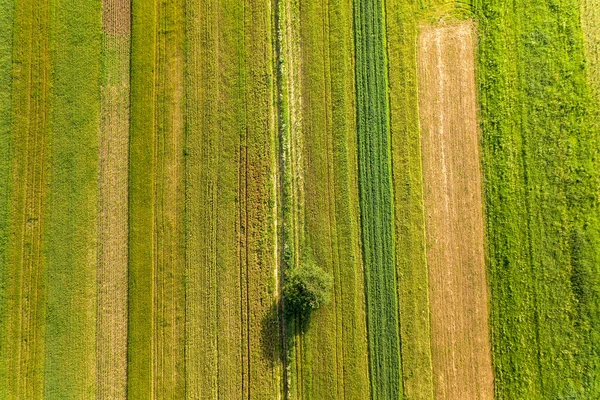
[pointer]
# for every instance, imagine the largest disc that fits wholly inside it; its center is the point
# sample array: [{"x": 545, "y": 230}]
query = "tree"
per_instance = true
[{"x": 307, "y": 287}]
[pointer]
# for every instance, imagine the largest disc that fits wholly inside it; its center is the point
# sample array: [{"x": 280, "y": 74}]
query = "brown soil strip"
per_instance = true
[
  {"x": 461, "y": 347},
  {"x": 113, "y": 164}
]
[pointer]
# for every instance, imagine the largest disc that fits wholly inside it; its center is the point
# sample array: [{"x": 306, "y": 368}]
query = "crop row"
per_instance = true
[
  {"x": 232, "y": 330},
  {"x": 376, "y": 200}
]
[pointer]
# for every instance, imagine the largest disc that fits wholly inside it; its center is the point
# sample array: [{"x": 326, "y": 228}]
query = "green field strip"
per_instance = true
[
  {"x": 402, "y": 19},
  {"x": 216, "y": 361},
  {"x": 350, "y": 293},
  {"x": 70, "y": 235},
  {"x": 319, "y": 356},
  {"x": 320, "y": 214},
  {"x": 259, "y": 216},
  {"x": 376, "y": 200},
  {"x": 156, "y": 252},
  {"x": 290, "y": 172},
  {"x": 590, "y": 21},
  {"x": 113, "y": 168},
  {"x": 141, "y": 202},
  {"x": 230, "y": 198},
  {"x": 541, "y": 177},
  {"x": 23, "y": 365},
  {"x": 6, "y": 117},
  {"x": 201, "y": 356}
]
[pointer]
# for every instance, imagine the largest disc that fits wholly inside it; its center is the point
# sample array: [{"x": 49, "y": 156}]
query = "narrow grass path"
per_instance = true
[{"x": 590, "y": 21}]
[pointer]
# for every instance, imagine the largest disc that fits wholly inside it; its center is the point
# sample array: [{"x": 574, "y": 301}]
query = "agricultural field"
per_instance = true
[
  {"x": 454, "y": 213},
  {"x": 169, "y": 168}
]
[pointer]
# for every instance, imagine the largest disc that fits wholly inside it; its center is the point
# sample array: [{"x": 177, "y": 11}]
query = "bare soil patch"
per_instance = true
[
  {"x": 113, "y": 193},
  {"x": 116, "y": 17},
  {"x": 461, "y": 347}
]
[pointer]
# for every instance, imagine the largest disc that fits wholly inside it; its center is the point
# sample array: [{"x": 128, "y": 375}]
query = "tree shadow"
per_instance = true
[{"x": 279, "y": 330}]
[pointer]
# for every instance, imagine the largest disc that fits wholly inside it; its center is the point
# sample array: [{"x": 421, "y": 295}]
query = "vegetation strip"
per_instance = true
[
  {"x": 156, "y": 253},
  {"x": 113, "y": 167},
  {"x": 590, "y": 21},
  {"x": 539, "y": 131},
  {"x": 321, "y": 196},
  {"x": 70, "y": 235},
  {"x": 7, "y": 14},
  {"x": 402, "y": 22},
  {"x": 376, "y": 200},
  {"x": 453, "y": 202},
  {"x": 230, "y": 199},
  {"x": 216, "y": 331},
  {"x": 23, "y": 366}
]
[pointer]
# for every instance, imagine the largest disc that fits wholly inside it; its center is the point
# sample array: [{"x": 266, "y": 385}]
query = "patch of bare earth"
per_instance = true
[
  {"x": 460, "y": 345},
  {"x": 113, "y": 162}
]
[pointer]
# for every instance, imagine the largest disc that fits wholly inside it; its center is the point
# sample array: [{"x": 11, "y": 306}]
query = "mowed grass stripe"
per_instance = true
[
  {"x": 25, "y": 275},
  {"x": 402, "y": 21},
  {"x": 71, "y": 234},
  {"x": 540, "y": 127},
  {"x": 376, "y": 201},
  {"x": 216, "y": 361},
  {"x": 113, "y": 167},
  {"x": 6, "y": 117},
  {"x": 156, "y": 253}
]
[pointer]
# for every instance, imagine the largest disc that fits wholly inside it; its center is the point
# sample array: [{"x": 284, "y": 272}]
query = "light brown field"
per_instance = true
[
  {"x": 461, "y": 347},
  {"x": 113, "y": 170}
]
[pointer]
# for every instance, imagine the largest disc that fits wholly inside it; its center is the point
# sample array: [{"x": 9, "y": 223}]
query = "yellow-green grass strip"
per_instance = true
[
  {"x": 142, "y": 289},
  {"x": 216, "y": 349},
  {"x": 323, "y": 209},
  {"x": 402, "y": 19},
  {"x": 23, "y": 365},
  {"x": 113, "y": 166},
  {"x": 376, "y": 200},
  {"x": 156, "y": 252},
  {"x": 258, "y": 221},
  {"x": 6, "y": 117},
  {"x": 590, "y": 20},
  {"x": 290, "y": 176},
  {"x": 70, "y": 234}
]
